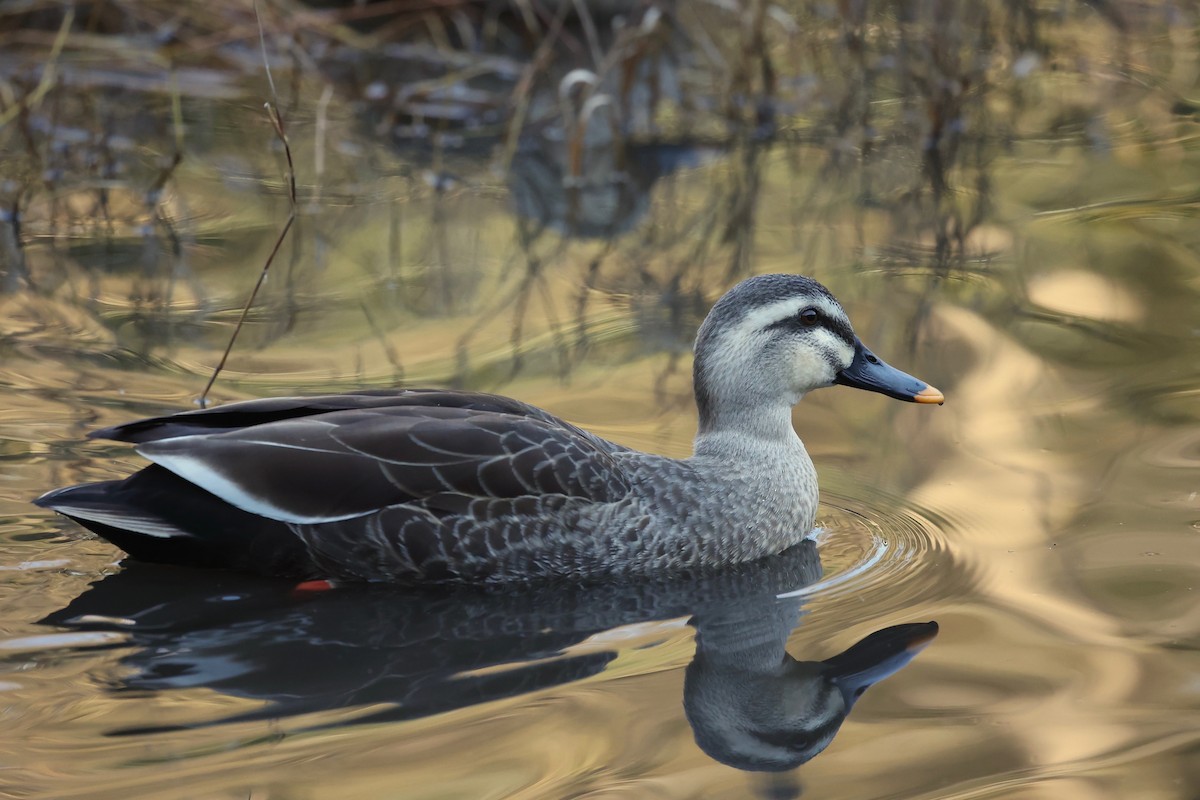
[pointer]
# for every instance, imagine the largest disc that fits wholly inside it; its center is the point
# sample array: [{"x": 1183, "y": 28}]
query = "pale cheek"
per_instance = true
[{"x": 810, "y": 371}]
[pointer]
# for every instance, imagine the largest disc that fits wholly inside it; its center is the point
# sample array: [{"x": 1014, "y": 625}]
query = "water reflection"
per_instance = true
[
  {"x": 1008, "y": 187},
  {"x": 580, "y": 109},
  {"x": 396, "y": 654},
  {"x": 755, "y": 707},
  {"x": 610, "y": 192}
]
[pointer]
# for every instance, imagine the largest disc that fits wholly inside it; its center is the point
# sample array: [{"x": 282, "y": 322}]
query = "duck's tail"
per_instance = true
[{"x": 154, "y": 515}]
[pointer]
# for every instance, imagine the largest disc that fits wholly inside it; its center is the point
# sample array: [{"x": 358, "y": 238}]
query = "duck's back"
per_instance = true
[{"x": 416, "y": 485}]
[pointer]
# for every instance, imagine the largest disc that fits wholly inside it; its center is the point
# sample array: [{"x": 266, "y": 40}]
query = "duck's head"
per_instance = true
[{"x": 772, "y": 339}]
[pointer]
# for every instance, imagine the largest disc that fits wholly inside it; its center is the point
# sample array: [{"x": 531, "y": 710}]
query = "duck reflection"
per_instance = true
[
  {"x": 754, "y": 707},
  {"x": 408, "y": 653}
]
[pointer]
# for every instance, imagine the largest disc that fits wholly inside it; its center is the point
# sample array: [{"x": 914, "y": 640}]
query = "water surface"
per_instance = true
[{"x": 1002, "y": 196}]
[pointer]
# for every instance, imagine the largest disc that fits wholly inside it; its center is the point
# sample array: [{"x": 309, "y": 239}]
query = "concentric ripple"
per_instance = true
[{"x": 884, "y": 542}]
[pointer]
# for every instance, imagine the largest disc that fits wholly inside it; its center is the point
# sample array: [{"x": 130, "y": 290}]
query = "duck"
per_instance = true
[{"x": 417, "y": 486}]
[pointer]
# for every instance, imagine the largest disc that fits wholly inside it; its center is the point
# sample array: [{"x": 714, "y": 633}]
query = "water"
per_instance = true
[{"x": 1002, "y": 197}]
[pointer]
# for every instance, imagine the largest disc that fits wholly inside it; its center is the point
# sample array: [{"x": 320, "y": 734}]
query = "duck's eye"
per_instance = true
[{"x": 809, "y": 317}]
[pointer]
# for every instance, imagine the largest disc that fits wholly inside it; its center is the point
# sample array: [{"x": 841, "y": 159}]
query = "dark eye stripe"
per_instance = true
[
  {"x": 842, "y": 329},
  {"x": 839, "y": 327}
]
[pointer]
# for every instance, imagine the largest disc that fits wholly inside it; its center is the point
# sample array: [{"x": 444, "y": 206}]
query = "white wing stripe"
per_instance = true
[{"x": 195, "y": 471}]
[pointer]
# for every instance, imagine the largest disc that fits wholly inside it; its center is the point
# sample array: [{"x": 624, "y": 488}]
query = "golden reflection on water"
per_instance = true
[{"x": 1046, "y": 516}]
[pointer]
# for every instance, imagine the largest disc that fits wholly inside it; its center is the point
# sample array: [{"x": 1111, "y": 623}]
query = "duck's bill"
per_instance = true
[
  {"x": 868, "y": 371},
  {"x": 879, "y": 655}
]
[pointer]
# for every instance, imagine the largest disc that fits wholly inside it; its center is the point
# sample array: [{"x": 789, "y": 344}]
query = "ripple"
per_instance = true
[
  {"x": 1174, "y": 450},
  {"x": 884, "y": 543}
]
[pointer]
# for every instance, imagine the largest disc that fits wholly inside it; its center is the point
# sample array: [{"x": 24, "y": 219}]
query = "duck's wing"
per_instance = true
[
  {"x": 251, "y": 413},
  {"x": 337, "y": 465}
]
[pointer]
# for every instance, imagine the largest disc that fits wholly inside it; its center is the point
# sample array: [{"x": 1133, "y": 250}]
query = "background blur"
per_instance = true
[{"x": 542, "y": 198}]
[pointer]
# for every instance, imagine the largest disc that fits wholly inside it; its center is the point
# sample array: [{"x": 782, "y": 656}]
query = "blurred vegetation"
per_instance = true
[{"x": 125, "y": 125}]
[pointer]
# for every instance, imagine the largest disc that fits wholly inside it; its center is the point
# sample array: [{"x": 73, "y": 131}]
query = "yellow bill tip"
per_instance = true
[{"x": 929, "y": 395}]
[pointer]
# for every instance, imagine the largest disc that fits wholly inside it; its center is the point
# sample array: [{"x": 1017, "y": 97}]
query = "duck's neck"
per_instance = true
[
  {"x": 725, "y": 430},
  {"x": 735, "y": 405}
]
